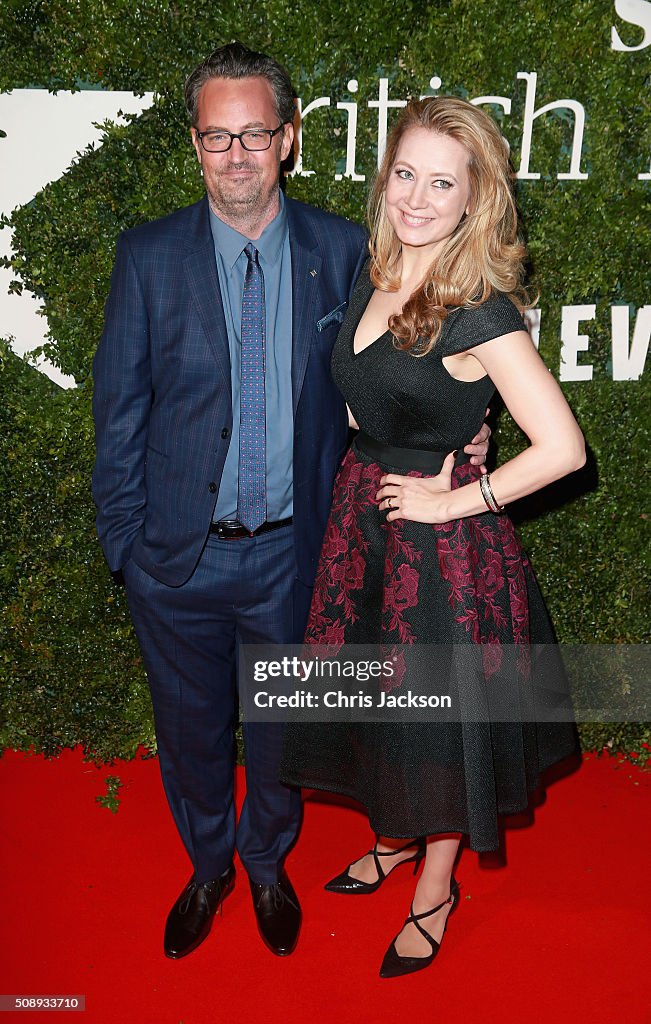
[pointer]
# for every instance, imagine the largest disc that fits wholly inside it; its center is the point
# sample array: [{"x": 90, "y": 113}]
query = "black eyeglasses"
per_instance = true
[{"x": 253, "y": 139}]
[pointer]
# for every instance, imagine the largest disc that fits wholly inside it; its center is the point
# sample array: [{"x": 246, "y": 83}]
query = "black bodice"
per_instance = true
[{"x": 413, "y": 402}]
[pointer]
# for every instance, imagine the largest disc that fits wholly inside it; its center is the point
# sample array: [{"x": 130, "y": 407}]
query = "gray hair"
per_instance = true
[{"x": 236, "y": 61}]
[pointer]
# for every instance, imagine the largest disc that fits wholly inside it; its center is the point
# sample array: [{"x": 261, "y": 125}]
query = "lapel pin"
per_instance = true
[{"x": 313, "y": 273}]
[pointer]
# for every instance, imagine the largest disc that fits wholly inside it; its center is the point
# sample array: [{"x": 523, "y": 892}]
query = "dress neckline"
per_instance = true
[
  {"x": 363, "y": 307},
  {"x": 371, "y": 344}
]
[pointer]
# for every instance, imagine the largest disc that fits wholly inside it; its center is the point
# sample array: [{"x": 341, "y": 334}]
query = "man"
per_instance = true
[{"x": 219, "y": 431}]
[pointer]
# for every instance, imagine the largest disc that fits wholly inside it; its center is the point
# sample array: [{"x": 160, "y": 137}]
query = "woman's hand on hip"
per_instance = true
[{"x": 420, "y": 499}]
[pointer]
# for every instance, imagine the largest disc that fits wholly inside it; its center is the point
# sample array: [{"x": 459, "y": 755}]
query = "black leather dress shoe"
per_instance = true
[
  {"x": 278, "y": 914},
  {"x": 190, "y": 919}
]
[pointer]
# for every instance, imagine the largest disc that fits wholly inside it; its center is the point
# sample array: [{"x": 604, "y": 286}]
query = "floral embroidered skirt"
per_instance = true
[{"x": 463, "y": 582}]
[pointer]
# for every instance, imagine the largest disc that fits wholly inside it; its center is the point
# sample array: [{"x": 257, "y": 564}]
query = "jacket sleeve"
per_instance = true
[{"x": 121, "y": 406}]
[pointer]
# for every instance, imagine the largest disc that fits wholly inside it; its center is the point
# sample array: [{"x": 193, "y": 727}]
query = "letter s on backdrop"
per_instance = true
[{"x": 635, "y": 12}]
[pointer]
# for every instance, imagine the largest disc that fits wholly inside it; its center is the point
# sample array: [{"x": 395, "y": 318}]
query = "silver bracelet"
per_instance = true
[{"x": 487, "y": 494}]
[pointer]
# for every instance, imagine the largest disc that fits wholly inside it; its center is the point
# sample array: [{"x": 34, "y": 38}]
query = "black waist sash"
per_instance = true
[{"x": 405, "y": 458}]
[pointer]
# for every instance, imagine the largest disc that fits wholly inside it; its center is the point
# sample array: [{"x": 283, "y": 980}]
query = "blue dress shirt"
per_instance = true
[{"x": 275, "y": 260}]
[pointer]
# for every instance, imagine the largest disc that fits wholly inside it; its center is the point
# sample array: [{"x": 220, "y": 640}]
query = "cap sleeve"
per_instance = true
[{"x": 466, "y": 328}]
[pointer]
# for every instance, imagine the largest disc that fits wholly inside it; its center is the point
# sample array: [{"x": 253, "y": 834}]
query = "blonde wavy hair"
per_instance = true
[{"x": 485, "y": 253}]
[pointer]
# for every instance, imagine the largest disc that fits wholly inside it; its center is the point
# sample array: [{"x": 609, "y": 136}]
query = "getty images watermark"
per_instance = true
[
  {"x": 349, "y": 671},
  {"x": 445, "y": 682}
]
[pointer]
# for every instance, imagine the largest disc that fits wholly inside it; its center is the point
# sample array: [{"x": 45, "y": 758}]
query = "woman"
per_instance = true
[{"x": 417, "y": 548}]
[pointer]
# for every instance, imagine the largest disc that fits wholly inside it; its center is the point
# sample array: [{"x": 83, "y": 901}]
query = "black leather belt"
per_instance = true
[
  {"x": 230, "y": 529},
  {"x": 405, "y": 458}
]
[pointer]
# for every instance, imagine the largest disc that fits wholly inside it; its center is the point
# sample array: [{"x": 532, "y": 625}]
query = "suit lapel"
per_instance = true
[
  {"x": 200, "y": 270},
  {"x": 306, "y": 276}
]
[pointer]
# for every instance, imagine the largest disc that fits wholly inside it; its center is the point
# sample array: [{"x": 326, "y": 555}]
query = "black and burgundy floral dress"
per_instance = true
[{"x": 463, "y": 582}]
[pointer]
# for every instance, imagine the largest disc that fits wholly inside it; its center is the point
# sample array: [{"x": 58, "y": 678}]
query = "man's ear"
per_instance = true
[
  {"x": 288, "y": 142},
  {"x": 196, "y": 143}
]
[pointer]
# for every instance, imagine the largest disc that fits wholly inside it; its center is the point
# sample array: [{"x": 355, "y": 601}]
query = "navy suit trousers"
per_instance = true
[{"x": 243, "y": 591}]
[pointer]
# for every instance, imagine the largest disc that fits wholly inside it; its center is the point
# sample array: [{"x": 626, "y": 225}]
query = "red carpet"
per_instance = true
[{"x": 560, "y": 934}]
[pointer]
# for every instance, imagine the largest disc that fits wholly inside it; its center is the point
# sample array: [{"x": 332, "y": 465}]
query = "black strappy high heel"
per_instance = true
[
  {"x": 345, "y": 883},
  {"x": 394, "y": 965}
]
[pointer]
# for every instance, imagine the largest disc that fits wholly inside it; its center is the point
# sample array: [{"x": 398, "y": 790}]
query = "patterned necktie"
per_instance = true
[{"x": 252, "y": 501}]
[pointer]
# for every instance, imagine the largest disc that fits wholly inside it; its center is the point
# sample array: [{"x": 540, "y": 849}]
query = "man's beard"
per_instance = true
[{"x": 236, "y": 199}]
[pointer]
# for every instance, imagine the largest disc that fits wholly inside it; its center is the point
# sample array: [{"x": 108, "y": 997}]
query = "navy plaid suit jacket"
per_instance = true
[{"x": 162, "y": 395}]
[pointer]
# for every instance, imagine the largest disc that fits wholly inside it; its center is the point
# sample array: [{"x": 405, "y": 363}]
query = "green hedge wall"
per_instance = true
[{"x": 69, "y": 660}]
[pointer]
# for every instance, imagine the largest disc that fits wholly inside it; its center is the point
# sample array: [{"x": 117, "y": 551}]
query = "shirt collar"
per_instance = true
[{"x": 229, "y": 243}]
